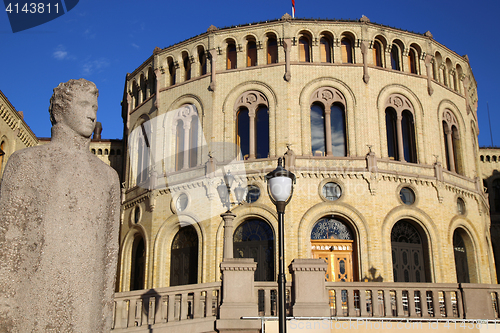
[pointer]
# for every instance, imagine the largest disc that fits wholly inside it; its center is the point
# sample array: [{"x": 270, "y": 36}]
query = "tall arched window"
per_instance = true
[
  {"x": 262, "y": 128},
  {"x": 304, "y": 49},
  {"x": 142, "y": 153},
  {"x": 408, "y": 129},
  {"x": 184, "y": 257},
  {"x": 461, "y": 266},
  {"x": 142, "y": 89},
  {"x": 179, "y": 145},
  {"x": 243, "y": 133},
  {"x": 325, "y": 50},
  {"x": 2, "y": 154},
  {"x": 451, "y": 142},
  {"x": 251, "y": 53},
  {"x": 252, "y": 120},
  {"x": 171, "y": 71},
  {"x": 395, "y": 62},
  {"x": 231, "y": 56},
  {"x": 410, "y": 261},
  {"x": 400, "y": 129},
  {"x": 412, "y": 61},
  {"x": 272, "y": 50},
  {"x": 377, "y": 54},
  {"x": 392, "y": 136},
  {"x": 496, "y": 197},
  {"x": 187, "y": 66},
  {"x": 328, "y": 123},
  {"x": 334, "y": 241},
  {"x": 202, "y": 60},
  {"x": 138, "y": 264},
  {"x": 346, "y": 51},
  {"x": 151, "y": 82},
  {"x": 255, "y": 239},
  {"x": 318, "y": 136}
]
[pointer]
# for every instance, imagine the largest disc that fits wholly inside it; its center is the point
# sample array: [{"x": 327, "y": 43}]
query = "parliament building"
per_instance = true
[{"x": 379, "y": 126}]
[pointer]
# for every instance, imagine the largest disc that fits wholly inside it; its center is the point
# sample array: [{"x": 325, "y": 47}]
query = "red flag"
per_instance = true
[{"x": 293, "y": 8}]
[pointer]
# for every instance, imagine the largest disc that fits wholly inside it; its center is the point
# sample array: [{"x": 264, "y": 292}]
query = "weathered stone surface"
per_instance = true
[{"x": 59, "y": 226}]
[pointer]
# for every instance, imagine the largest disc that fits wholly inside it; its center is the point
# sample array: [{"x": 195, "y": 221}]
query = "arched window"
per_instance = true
[
  {"x": 106, "y": 152},
  {"x": 496, "y": 195},
  {"x": 151, "y": 82},
  {"x": 142, "y": 153},
  {"x": 328, "y": 123},
  {"x": 318, "y": 136},
  {"x": 304, "y": 49},
  {"x": 2, "y": 154},
  {"x": 179, "y": 145},
  {"x": 408, "y": 129},
  {"x": 272, "y": 50},
  {"x": 412, "y": 61},
  {"x": 377, "y": 54},
  {"x": 461, "y": 266},
  {"x": 325, "y": 50},
  {"x": 400, "y": 129},
  {"x": 142, "y": 89},
  {"x": 202, "y": 60},
  {"x": 251, "y": 53},
  {"x": 392, "y": 136},
  {"x": 255, "y": 239},
  {"x": 184, "y": 257},
  {"x": 346, "y": 51},
  {"x": 452, "y": 142},
  {"x": 187, "y": 66},
  {"x": 231, "y": 56},
  {"x": 409, "y": 248},
  {"x": 138, "y": 266},
  {"x": 243, "y": 133},
  {"x": 99, "y": 151},
  {"x": 135, "y": 94},
  {"x": 172, "y": 71},
  {"x": 262, "y": 130},
  {"x": 395, "y": 62},
  {"x": 252, "y": 124},
  {"x": 334, "y": 241}
]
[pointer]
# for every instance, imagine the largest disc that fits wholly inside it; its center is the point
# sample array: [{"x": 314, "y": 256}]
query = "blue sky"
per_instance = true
[{"x": 104, "y": 40}]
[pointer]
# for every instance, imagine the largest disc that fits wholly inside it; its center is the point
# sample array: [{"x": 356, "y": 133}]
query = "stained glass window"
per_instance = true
[
  {"x": 329, "y": 228},
  {"x": 405, "y": 232}
]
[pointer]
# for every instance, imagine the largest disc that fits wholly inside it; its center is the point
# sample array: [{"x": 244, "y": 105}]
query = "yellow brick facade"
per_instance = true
[{"x": 370, "y": 203}]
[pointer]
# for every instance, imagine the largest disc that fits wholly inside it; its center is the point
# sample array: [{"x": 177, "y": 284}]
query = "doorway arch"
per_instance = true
[{"x": 184, "y": 257}]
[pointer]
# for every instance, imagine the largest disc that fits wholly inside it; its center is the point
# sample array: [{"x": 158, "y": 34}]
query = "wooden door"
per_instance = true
[{"x": 338, "y": 254}]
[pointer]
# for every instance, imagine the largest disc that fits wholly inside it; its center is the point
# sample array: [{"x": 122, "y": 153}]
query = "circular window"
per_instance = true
[
  {"x": 461, "y": 206},
  {"x": 407, "y": 196},
  {"x": 137, "y": 214},
  {"x": 331, "y": 191},
  {"x": 181, "y": 202},
  {"x": 253, "y": 193}
]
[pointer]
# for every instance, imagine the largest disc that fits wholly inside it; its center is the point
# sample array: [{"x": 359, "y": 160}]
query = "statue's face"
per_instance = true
[{"x": 81, "y": 116}]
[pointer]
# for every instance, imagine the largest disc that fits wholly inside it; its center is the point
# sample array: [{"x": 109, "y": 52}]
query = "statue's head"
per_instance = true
[{"x": 74, "y": 104}]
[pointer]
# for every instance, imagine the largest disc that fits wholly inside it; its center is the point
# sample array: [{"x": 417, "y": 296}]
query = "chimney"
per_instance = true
[{"x": 97, "y": 131}]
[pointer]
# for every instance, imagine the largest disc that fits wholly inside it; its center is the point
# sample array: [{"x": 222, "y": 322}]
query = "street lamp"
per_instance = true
[
  {"x": 224, "y": 190},
  {"x": 280, "y": 188}
]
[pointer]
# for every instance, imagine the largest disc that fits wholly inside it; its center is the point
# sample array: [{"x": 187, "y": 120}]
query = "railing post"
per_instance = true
[
  {"x": 477, "y": 301},
  {"x": 238, "y": 296},
  {"x": 388, "y": 302},
  {"x": 311, "y": 296},
  {"x": 362, "y": 303},
  {"x": 184, "y": 306},
  {"x": 197, "y": 305},
  {"x": 171, "y": 308},
  {"x": 351, "y": 308},
  {"x": 423, "y": 303},
  {"x": 267, "y": 302},
  {"x": 447, "y": 304}
]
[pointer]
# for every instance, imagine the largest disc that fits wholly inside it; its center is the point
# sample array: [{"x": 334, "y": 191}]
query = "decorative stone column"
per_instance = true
[
  {"x": 238, "y": 296},
  {"x": 287, "y": 45},
  {"x": 364, "y": 51},
  {"x": 311, "y": 297},
  {"x": 428, "y": 66}
]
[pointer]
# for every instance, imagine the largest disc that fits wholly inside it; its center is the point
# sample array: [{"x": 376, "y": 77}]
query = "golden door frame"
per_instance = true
[{"x": 340, "y": 255}]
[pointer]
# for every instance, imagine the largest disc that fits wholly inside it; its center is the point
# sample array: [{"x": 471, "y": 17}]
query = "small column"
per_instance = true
[
  {"x": 186, "y": 146},
  {"x": 228, "y": 218},
  {"x": 364, "y": 52},
  {"x": 399, "y": 131},
  {"x": 251, "y": 115},
  {"x": 213, "y": 59},
  {"x": 311, "y": 296},
  {"x": 287, "y": 45},
  {"x": 328, "y": 134}
]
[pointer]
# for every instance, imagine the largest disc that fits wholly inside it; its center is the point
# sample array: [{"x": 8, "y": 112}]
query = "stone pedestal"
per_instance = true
[
  {"x": 238, "y": 296},
  {"x": 311, "y": 297},
  {"x": 477, "y": 301}
]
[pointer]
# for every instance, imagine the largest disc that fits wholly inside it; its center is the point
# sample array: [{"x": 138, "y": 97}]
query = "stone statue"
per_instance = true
[{"x": 59, "y": 221}]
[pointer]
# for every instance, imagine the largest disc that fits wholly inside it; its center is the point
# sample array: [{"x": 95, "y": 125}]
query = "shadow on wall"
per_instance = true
[{"x": 372, "y": 278}]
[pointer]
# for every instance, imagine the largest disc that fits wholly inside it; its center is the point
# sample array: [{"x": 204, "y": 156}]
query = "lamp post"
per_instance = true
[
  {"x": 224, "y": 190},
  {"x": 280, "y": 188}
]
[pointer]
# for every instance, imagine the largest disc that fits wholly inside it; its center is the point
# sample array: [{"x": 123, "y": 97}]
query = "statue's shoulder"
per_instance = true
[
  {"x": 105, "y": 169},
  {"x": 28, "y": 155}
]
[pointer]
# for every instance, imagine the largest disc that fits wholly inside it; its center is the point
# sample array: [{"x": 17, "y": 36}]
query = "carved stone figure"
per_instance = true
[{"x": 59, "y": 225}]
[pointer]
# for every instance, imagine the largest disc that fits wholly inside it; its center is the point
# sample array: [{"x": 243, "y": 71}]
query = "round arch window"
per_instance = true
[
  {"x": 407, "y": 196},
  {"x": 253, "y": 194},
  {"x": 331, "y": 191},
  {"x": 461, "y": 206},
  {"x": 181, "y": 202},
  {"x": 330, "y": 228},
  {"x": 137, "y": 214}
]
